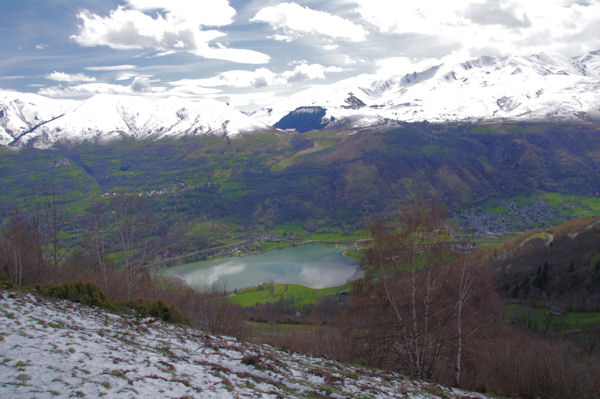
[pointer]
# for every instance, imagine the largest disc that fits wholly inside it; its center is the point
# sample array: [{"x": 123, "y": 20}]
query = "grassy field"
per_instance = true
[
  {"x": 539, "y": 319},
  {"x": 570, "y": 206},
  {"x": 488, "y": 242},
  {"x": 298, "y": 294}
]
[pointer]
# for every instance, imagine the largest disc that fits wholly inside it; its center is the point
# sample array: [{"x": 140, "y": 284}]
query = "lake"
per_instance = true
[{"x": 314, "y": 266}]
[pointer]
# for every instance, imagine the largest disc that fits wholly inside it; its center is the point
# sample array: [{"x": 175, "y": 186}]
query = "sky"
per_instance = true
[{"x": 247, "y": 51}]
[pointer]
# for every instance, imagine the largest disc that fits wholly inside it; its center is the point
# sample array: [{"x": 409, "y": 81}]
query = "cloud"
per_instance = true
[
  {"x": 503, "y": 27},
  {"x": 140, "y": 84},
  {"x": 126, "y": 76},
  {"x": 236, "y": 78},
  {"x": 296, "y": 20},
  {"x": 306, "y": 71},
  {"x": 403, "y": 65},
  {"x": 492, "y": 13},
  {"x": 69, "y": 78},
  {"x": 199, "y": 13},
  {"x": 281, "y": 38},
  {"x": 84, "y": 90},
  {"x": 41, "y": 46},
  {"x": 190, "y": 91},
  {"x": 110, "y": 68},
  {"x": 178, "y": 27},
  {"x": 253, "y": 100},
  {"x": 330, "y": 47},
  {"x": 262, "y": 77}
]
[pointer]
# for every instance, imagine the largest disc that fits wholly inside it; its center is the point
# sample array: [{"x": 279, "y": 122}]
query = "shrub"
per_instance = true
[
  {"x": 88, "y": 294},
  {"x": 6, "y": 284},
  {"x": 251, "y": 360},
  {"x": 157, "y": 309}
]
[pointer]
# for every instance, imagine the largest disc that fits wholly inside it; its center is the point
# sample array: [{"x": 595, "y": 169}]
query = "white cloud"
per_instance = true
[
  {"x": 205, "y": 13},
  {"x": 190, "y": 91},
  {"x": 41, "y": 46},
  {"x": 84, "y": 90},
  {"x": 140, "y": 84},
  {"x": 306, "y": 71},
  {"x": 253, "y": 100},
  {"x": 349, "y": 60},
  {"x": 126, "y": 76},
  {"x": 179, "y": 28},
  {"x": 403, "y": 65},
  {"x": 110, "y": 68},
  {"x": 493, "y": 26},
  {"x": 281, "y": 38},
  {"x": 69, "y": 78},
  {"x": 294, "y": 20},
  {"x": 235, "y": 78},
  {"x": 262, "y": 77}
]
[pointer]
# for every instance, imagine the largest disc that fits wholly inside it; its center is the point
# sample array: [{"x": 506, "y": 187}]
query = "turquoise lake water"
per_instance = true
[{"x": 314, "y": 266}]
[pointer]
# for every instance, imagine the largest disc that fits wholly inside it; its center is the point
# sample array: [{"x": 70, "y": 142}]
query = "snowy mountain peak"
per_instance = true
[
  {"x": 29, "y": 119},
  {"x": 536, "y": 87}
]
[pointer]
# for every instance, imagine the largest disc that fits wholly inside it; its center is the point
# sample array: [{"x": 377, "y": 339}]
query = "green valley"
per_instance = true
[{"x": 210, "y": 191}]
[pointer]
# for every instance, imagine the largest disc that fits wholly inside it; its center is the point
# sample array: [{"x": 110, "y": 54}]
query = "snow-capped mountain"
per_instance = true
[
  {"x": 537, "y": 87},
  {"x": 29, "y": 119}
]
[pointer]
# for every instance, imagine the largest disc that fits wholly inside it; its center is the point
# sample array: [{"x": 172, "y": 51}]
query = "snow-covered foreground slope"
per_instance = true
[
  {"x": 29, "y": 119},
  {"x": 537, "y": 87},
  {"x": 60, "y": 349}
]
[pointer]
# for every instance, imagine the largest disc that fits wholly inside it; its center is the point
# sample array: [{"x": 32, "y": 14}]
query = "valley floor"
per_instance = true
[{"x": 52, "y": 348}]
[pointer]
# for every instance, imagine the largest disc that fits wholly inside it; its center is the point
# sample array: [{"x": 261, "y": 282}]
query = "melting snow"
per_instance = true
[{"x": 52, "y": 348}]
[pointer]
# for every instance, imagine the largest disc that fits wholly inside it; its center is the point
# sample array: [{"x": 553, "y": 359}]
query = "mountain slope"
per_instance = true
[
  {"x": 29, "y": 119},
  {"x": 60, "y": 349},
  {"x": 314, "y": 181},
  {"x": 537, "y": 87},
  {"x": 559, "y": 266}
]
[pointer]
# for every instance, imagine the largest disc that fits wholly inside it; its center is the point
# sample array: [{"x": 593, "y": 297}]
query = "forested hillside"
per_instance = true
[{"x": 293, "y": 183}]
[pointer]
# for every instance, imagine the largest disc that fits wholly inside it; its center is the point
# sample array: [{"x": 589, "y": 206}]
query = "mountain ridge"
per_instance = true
[
  {"x": 539, "y": 87},
  {"x": 42, "y": 122}
]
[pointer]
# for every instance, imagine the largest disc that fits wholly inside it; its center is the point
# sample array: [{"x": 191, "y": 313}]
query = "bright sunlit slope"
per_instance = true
[{"x": 53, "y": 348}]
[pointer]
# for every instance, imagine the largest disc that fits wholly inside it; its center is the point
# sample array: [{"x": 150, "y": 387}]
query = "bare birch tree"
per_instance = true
[
  {"x": 98, "y": 239},
  {"x": 476, "y": 306},
  {"x": 407, "y": 260},
  {"x": 134, "y": 229},
  {"x": 436, "y": 299}
]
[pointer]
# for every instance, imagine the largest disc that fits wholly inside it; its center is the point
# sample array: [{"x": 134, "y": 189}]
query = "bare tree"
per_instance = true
[
  {"x": 407, "y": 261},
  {"x": 98, "y": 239},
  {"x": 477, "y": 305},
  {"x": 21, "y": 252},
  {"x": 465, "y": 283},
  {"x": 134, "y": 229},
  {"x": 423, "y": 300},
  {"x": 52, "y": 221}
]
